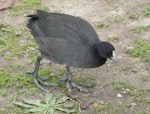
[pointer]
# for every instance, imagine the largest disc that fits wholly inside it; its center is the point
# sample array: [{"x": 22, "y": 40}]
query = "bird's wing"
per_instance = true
[{"x": 65, "y": 39}]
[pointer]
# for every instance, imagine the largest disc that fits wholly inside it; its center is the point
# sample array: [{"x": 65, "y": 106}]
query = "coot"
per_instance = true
[{"x": 68, "y": 40}]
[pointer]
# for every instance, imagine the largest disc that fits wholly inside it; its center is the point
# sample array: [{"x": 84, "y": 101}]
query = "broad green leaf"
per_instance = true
[
  {"x": 48, "y": 97},
  {"x": 62, "y": 99},
  {"x": 51, "y": 101},
  {"x": 34, "y": 109},
  {"x": 5, "y": 29},
  {"x": 33, "y": 102},
  {"x": 23, "y": 105},
  {"x": 50, "y": 110},
  {"x": 18, "y": 32}
]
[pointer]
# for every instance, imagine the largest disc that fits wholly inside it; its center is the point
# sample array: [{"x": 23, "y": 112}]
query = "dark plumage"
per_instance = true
[{"x": 68, "y": 40}]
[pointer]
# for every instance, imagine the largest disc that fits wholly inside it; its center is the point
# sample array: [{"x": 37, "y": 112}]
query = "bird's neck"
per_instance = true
[{"x": 100, "y": 58}]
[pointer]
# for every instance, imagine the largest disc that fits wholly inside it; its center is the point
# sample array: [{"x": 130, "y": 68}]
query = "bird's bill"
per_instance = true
[{"x": 114, "y": 57}]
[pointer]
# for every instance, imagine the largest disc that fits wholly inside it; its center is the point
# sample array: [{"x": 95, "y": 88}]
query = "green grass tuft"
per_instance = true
[
  {"x": 26, "y": 6},
  {"x": 128, "y": 89},
  {"x": 15, "y": 80},
  {"x": 100, "y": 108},
  {"x": 119, "y": 19},
  {"x": 114, "y": 38},
  {"x": 109, "y": 1},
  {"x": 11, "y": 110},
  {"x": 147, "y": 10},
  {"x": 3, "y": 93},
  {"x": 122, "y": 85},
  {"x": 102, "y": 24},
  {"x": 141, "y": 49},
  {"x": 133, "y": 16},
  {"x": 145, "y": 78},
  {"x": 140, "y": 29},
  {"x": 14, "y": 43},
  {"x": 5, "y": 76},
  {"x": 118, "y": 107},
  {"x": 53, "y": 76},
  {"x": 140, "y": 112}
]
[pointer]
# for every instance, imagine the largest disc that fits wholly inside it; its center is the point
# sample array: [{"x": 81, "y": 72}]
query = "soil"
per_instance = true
[{"x": 129, "y": 69}]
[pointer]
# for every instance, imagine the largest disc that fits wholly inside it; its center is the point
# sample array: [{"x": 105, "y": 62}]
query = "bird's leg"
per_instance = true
[
  {"x": 69, "y": 79},
  {"x": 40, "y": 80},
  {"x": 35, "y": 73},
  {"x": 71, "y": 84}
]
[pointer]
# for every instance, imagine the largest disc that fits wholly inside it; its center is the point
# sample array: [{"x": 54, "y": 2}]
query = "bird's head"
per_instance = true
[{"x": 107, "y": 50}]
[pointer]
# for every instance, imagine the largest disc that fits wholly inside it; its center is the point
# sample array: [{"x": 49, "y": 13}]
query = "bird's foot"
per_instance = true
[
  {"x": 39, "y": 81},
  {"x": 80, "y": 86},
  {"x": 42, "y": 80}
]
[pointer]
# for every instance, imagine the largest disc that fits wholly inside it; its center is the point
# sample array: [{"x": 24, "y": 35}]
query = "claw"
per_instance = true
[
  {"x": 30, "y": 73},
  {"x": 79, "y": 87},
  {"x": 71, "y": 84},
  {"x": 46, "y": 83},
  {"x": 86, "y": 84},
  {"x": 40, "y": 80},
  {"x": 39, "y": 86}
]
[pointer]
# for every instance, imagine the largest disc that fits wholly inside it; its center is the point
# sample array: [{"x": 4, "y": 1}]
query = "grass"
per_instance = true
[
  {"x": 114, "y": 38},
  {"x": 111, "y": 108},
  {"x": 119, "y": 19},
  {"x": 141, "y": 49},
  {"x": 140, "y": 112},
  {"x": 3, "y": 93},
  {"x": 109, "y": 1},
  {"x": 88, "y": 77},
  {"x": 118, "y": 107},
  {"x": 53, "y": 76},
  {"x": 122, "y": 85},
  {"x": 15, "y": 80},
  {"x": 136, "y": 94},
  {"x": 11, "y": 110},
  {"x": 139, "y": 29},
  {"x": 133, "y": 16},
  {"x": 147, "y": 11},
  {"x": 17, "y": 66},
  {"x": 25, "y": 6},
  {"x": 145, "y": 78},
  {"x": 12, "y": 45},
  {"x": 102, "y": 24},
  {"x": 15, "y": 43},
  {"x": 100, "y": 108},
  {"x": 140, "y": 11}
]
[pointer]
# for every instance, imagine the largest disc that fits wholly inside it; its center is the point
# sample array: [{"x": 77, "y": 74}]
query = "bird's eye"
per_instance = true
[{"x": 108, "y": 53}]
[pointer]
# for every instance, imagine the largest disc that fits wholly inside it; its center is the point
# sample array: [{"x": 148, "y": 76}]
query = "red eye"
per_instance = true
[{"x": 108, "y": 54}]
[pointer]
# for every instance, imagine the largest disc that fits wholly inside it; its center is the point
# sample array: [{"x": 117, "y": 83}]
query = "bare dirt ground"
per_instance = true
[{"x": 130, "y": 69}]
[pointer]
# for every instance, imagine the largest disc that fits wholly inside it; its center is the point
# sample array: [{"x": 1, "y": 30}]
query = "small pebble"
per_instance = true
[
  {"x": 119, "y": 95},
  {"x": 133, "y": 104},
  {"x": 129, "y": 48},
  {"x": 126, "y": 91},
  {"x": 52, "y": 74}
]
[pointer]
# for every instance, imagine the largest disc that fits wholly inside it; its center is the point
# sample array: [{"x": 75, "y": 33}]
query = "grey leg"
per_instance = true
[
  {"x": 69, "y": 79},
  {"x": 71, "y": 84},
  {"x": 40, "y": 80}
]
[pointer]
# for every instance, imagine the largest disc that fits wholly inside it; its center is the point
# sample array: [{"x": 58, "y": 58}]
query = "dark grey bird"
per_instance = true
[{"x": 68, "y": 40}]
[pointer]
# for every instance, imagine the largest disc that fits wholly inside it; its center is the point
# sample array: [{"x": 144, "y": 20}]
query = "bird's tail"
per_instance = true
[{"x": 33, "y": 24}]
